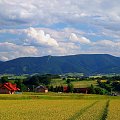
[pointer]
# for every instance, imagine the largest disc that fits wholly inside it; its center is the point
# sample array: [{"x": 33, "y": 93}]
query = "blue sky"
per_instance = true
[{"x": 58, "y": 27}]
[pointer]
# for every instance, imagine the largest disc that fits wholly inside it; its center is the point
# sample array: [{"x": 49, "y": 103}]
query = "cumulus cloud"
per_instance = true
[
  {"x": 38, "y": 37},
  {"x": 75, "y": 38},
  {"x": 46, "y": 41},
  {"x": 11, "y": 51}
]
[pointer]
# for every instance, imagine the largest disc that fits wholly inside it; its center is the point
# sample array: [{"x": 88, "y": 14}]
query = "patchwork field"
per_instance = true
[
  {"x": 81, "y": 84},
  {"x": 89, "y": 107}
]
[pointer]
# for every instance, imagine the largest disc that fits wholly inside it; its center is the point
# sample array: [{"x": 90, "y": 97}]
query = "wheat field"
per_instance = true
[{"x": 65, "y": 109}]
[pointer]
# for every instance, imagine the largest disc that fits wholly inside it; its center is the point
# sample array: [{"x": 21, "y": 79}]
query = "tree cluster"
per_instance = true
[{"x": 97, "y": 90}]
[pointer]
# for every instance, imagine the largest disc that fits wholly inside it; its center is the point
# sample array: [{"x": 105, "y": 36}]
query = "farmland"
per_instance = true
[
  {"x": 54, "y": 106},
  {"x": 81, "y": 84}
]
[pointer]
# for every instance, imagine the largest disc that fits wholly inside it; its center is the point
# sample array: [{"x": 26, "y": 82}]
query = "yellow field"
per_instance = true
[
  {"x": 90, "y": 107},
  {"x": 40, "y": 109},
  {"x": 114, "y": 110},
  {"x": 94, "y": 112}
]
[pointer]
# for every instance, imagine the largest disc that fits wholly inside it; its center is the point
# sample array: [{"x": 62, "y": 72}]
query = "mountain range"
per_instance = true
[{"x": 81, "y": 63}]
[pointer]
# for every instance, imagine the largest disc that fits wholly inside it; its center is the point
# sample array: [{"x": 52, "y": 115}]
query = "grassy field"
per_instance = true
[
  {"x": 59, "y": 106},
  {"x": 80, "y": 84}
]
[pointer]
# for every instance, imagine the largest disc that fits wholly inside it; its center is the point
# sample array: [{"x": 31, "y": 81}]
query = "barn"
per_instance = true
[
  {"x": 8, "y": 88},
  {"x": 41, "y": 88},
  {"x": 81, "y": 90}
]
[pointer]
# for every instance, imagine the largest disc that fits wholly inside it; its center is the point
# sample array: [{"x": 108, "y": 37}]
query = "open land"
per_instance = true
[{"x": 59, "y": 106}]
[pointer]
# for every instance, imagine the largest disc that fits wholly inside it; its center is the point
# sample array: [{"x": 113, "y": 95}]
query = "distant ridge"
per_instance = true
[{"x": 82, "y": 63}]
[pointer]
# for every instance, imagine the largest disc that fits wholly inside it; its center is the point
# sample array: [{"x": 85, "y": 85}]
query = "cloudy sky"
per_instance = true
[{"x": 58, "y": 27}]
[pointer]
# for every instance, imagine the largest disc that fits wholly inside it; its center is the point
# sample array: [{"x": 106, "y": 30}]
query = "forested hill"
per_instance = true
[
  {"x": 82, "y": 63},
  {"x": 1, "y": 62}
]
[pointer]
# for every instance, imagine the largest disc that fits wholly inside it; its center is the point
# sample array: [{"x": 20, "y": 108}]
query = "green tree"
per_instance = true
[
  {"x": 51, "y": 88},
  {"x": 21, "y": 85},
  {"x": 4, "y": 79},
  {"x": 92, "y": 89},
  {"x": 70, "y": 88},
  {"x": 68, "y": 81}
]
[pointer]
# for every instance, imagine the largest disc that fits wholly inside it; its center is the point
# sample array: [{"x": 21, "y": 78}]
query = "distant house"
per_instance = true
[
  {"x": 41, "y": 88},
  {"x": 8, "y": 88},
  {"x": 65, "y": 89},
  {"x": 81, "y": 90}
]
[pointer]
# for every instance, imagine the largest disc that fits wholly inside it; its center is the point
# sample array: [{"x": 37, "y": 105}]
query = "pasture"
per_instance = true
[
  {"x": 55, "y": 106},
  {"x": 80, "y": 84}
]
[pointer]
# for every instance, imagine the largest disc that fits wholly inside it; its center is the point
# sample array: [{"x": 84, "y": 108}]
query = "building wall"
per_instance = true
[
  {"x": 41, "y": 90},
  {"x": 4, "y": 91}
]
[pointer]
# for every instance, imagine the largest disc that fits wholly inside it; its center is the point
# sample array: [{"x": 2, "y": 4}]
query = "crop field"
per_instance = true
[
  {"x": 60, "y": 109},
  {"x": 114, "y": 110},
  {"x": 81, "y": 84}
]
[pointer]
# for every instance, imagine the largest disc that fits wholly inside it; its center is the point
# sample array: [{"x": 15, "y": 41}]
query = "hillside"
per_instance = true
[
  {"x": 0, "y": 61},
  {"x": 83, "y": 63}
]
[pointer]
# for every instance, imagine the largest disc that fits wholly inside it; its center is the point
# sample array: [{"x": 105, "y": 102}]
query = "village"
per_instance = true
[
  {"x": 55, "y": 83},
  {"x": 9, "y": 88}
]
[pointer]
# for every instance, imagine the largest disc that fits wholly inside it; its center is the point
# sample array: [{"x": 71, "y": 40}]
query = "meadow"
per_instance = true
[
  {"x": 59, "y": 106},
  {"x": 80, "y": 84}
]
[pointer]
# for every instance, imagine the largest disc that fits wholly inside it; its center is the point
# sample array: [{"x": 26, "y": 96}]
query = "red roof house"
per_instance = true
[{"x": 8, "y": 88}]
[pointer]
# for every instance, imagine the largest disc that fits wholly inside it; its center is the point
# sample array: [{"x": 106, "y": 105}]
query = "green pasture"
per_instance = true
[{"x": 80, "y": 84}]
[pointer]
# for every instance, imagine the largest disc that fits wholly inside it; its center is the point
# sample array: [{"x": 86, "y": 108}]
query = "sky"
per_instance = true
[{"x": 32, "y": 28}]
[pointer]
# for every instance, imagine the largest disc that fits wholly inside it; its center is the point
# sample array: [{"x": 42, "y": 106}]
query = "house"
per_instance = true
[
  {"x": 65, "y": 89},
  {"x": 41, "y": 88},
  {"x": 8, "y": 88},
  {"x": 81, "y": 90}
]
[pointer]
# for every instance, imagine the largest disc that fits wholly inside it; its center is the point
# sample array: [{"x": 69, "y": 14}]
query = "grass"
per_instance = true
[
  {"x": 55, "y": 96},
  {"x": 81, "y": 84},
  {"x": 84, "y": 84}
]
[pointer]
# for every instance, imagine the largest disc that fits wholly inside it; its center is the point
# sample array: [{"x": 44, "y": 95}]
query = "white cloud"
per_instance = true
[
  {"x": 107, "y": 43},
  {"x": 35, "y": 42},
  {"x": 75, "y": 38},
  {"x": 44, "y": 12},
  {"x": 11, "y": 51},
  {"x": 39, "y": 38}
]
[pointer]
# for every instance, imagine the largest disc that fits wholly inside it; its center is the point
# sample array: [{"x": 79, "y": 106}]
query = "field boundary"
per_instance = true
[
  {"x": 78, "y": 114},
  {"x": 105, "y": 111}
]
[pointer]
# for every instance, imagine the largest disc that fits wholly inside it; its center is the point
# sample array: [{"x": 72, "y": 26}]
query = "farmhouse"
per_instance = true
[
  {"x": 41, "y": 88},
  {"x": 8, "y": 88},
  {"x": 81, "y": 90},
  {"x": 65, "y": 89}
]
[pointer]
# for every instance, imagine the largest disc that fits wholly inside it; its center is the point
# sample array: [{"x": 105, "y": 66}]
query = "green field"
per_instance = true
[
  {"x": 59, "y": 106},
  {"x": 80, "y": 84}
]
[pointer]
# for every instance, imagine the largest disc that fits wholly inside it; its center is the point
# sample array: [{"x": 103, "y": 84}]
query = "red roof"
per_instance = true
[{"x": 10, "y": 86}]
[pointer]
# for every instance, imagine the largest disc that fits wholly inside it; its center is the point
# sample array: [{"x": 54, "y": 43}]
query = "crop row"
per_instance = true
[
  {"x": 59, "y": 110},
  {"x": 114, "y": 110}
]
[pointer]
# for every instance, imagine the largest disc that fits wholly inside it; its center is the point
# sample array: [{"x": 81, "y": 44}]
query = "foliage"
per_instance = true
[
  {"x": 38, "y": 79},
  {"x": 4, "y": 79},
  {"x": 21, "y": 85},
  {"x": 116, "y": 86},
  {"x": 97, "y": 90},
  {"x": 92, "y": 89},
  {"x": 68, "y": 81},
  {"x": 70, "y": 88}
]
